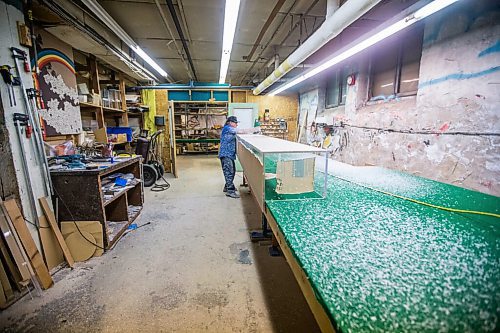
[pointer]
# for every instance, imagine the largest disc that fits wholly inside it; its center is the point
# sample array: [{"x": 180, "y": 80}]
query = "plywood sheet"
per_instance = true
[
  {"x": 80, "y": 245},
  {"x": 51, "y": 249},
  {"x": 254, "y": 173},
  {"x": 164, "y": 142},
  {"x": 93, "y": 227},
  {"x": 286, "y": 107},
  {"x": 266, "y": 144},
  {"x": 53, "y": 224}
]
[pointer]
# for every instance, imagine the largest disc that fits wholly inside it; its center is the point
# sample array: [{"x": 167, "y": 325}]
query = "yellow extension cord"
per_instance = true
[{"x": 423, "y": 203}]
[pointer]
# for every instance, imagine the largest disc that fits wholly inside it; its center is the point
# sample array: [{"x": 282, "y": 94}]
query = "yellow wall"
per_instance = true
[
  {"x": 286, "y": 107},
  {"x": 162, "y": 110}
]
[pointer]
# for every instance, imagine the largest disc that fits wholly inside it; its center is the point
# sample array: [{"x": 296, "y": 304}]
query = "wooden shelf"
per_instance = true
[
  {"x": 97, "y": 85},
  {"x": 113, "y": 110},
  {"x": 89, "y": 106},
  {"x": 119, "y": 193}
]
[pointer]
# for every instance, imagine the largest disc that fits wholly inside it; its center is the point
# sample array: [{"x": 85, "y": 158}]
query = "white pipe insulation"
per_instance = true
[{"x": 336, "y": 21}]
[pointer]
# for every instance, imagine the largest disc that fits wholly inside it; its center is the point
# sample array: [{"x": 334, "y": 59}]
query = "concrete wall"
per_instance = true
[
  {"x": 12, "y": 177},
  {"x": 459, "y": 91}
]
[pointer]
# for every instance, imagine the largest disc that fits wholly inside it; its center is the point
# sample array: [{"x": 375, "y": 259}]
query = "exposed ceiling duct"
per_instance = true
[{"x": 334, "y": 24}]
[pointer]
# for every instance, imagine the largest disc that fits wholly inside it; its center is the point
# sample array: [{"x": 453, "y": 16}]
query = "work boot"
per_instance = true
[
  {"x": 224, "y": 189},
  {"x": 234, "y": 195}
]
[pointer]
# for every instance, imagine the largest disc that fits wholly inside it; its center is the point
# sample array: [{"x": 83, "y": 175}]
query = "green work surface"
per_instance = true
[{"x": 383, "y": 264}]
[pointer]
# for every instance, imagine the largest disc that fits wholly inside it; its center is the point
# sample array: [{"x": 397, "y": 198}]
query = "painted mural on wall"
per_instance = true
[
  {"x": 307, "y": 115},
  {"x": 57, "y": 83}
]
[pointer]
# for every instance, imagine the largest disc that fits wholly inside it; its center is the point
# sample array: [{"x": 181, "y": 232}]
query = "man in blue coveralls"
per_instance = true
[{"x": 227, "y": 155}]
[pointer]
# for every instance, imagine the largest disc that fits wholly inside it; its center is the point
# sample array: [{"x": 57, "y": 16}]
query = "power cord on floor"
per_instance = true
[
  {"x": 160, "y": 187},
  {"x": 74, "y": 221},
  {"x": 454, "y": 210}
]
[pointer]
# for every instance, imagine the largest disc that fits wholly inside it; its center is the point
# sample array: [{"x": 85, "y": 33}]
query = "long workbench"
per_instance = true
[{"x": 379, "y": 254}]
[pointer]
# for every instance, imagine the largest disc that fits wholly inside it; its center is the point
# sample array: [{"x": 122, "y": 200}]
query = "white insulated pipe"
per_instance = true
[
  {"x": 336, "y": 21},
  {"x": 331, "y": 7}
]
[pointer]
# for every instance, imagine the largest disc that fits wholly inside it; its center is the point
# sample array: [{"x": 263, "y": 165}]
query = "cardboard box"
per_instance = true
[
  {"x": 295, "y": 175},
  {"x": 117, "y": 138}
]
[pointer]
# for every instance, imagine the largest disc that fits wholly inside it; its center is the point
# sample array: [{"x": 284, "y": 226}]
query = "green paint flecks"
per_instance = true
[{"x": 382, "y": 264}]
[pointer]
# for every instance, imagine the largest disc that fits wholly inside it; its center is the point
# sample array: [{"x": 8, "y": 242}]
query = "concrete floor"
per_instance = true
[{"x": 192, "y": 269}]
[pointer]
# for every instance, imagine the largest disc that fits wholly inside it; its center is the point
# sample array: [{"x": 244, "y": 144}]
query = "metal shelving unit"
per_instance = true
[{"x": 197, "y": 125}]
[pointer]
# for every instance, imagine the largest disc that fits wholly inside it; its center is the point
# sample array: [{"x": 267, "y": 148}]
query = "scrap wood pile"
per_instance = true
[{"x": 22, "y": 267}]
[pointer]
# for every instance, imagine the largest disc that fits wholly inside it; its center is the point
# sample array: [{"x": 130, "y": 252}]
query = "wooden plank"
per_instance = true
[
  {"x": 51, "y": 249},
  {"x": 21, "y": 264},
  {"x": 53, "y": 224},
  {"x": 10, "y": 266},
  {"x": 254, "y": 173},
  {"x": 95, "y": 88},
  {"x": 322, "y": 318},
  {"x": 124, "y": 101},
  {"x": 35, "y": 257},
  {"x": 7, "y": 289}
]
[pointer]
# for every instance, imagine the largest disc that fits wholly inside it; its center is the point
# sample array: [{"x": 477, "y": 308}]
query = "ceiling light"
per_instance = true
[
  {"x": 418, "y": 15},
  {"x": 230, "y": 19},
  {"x": 150, "y": 61},
  {"x": 103, "y": 15}
]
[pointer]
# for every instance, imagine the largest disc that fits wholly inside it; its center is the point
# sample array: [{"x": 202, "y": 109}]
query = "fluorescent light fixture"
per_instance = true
[
  {"x": 132, "y": 64},
  {"x": 103, "y": 15},
  {"x": 150, "y": 61},
  {"x": 230, "y": 19},
  {"x": 420, "y": 14}
]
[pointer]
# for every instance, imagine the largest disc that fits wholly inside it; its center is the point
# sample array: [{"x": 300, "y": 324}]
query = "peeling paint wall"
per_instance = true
[
  {"x": 10, "y": 149},
  {"x": 459, "y": 91}
]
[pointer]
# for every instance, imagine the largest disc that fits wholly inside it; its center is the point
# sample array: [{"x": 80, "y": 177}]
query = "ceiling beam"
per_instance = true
[{"x": 263, "y": 31}]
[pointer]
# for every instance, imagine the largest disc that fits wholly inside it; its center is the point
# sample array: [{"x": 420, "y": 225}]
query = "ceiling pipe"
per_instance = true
[
  {"x": 331, "y": 27},
  {"x": 274, "y": 61},
  {"x": 263, "y": 31},
  {"x": 183, "y": 20},
  {"x": 167, "y": 25},
  {"x": 171, "y": 8},
  {"x": 331, "y": 7}
]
